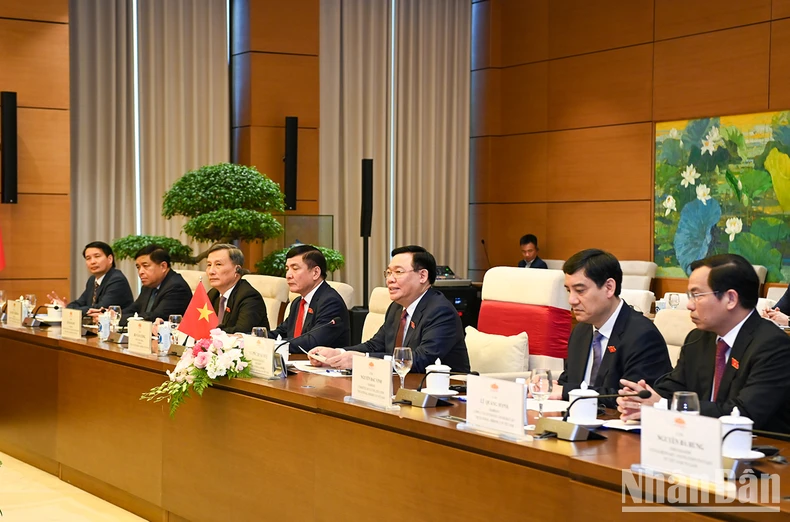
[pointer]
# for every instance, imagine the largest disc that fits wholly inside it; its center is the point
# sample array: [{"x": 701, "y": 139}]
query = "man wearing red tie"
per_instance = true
[
  {"x": 733, "y": 358},
  {"x": 317, "y": 305}
]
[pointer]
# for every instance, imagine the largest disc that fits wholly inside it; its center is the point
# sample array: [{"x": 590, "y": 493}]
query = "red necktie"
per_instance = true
[
  {"x": 721, "y": 365},
  {"x": 300, "y": 318},
  {"x": 401, "y": 329}
]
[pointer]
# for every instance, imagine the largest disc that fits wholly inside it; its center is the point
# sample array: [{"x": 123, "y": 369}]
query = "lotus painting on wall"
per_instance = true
[{"x": 723, "y": 186}]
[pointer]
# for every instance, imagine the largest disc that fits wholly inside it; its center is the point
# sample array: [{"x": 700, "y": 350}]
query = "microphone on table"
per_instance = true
[
  {"x": 335, "y": 321},
  {"x": 644, "y": 394},
  {"x": 422, "y": 382},
  {"x": 483, "y": 241},
  {"x": 423, "y": 400}
]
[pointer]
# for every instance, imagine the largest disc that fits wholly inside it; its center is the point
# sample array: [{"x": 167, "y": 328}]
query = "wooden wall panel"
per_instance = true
[
  {"x": 39, "y": 240},
  {"x": 501, "y": 225},
  {"x": 780, "y": 9},
  {"x": 601, "y": 163},
  {"x": 40, "y": 287},
  {"x": 34, "y": 60},
  {"x": 284, "y": 27},
  {"x": 522, "y": 159},
  {"x": 44, "y": 10},
  {"x": 686, "y": 17},
  {"x": 485, "y": 114},
  {"x": 524, "y": 36},
  {"x": 601, "y": 89},
  {"x": 284, "y": 85},
  {"x": 581, "y": 26},
  {"x": 780, "y": 65},
  {"x": 43, "y": 150},
  {"x": 267, "y": 146},
  {"x": 524, "y": 93},
  {"x": 695, "y": 76},
  {"x": 620, "y": 227}
]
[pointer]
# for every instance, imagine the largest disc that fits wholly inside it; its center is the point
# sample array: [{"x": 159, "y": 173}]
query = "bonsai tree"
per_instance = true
[
  {"x": 223, "y": 202},
  {"x": 274, "y": 263}
]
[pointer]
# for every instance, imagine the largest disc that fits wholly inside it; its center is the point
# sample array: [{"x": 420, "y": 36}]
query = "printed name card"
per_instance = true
[
  {"x": 681, "y": 444},
  {"x": 260, "y": 352},
  {"x": 140, "y": 337},
  {"x": 494, "y": 404},
  {"x": 71, "y": 327},
  {"x": 371, "y": 381},
  {"x": 14, "y": 310}
]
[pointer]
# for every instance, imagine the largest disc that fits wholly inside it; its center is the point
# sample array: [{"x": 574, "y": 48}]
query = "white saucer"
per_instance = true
[
  {"x": 439, "y": 393},
  {"x": 597, "y": 423},
  {"x": 752, "y": 455},
  {"x": 44, "y": 318}
]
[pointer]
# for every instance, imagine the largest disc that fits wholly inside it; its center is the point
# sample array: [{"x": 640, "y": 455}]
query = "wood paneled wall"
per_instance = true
[
  {"x": 275, "y": 73},
  {"x": 34, "y": 63},
  {"x": 565, "y": 95}
]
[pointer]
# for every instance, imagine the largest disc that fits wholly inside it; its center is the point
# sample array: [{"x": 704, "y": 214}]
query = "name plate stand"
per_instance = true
[
  {"x": 495, "y": 408},
  {"x": 371, "y": 384},
  {"x": 15, "y": 313},
  {"x": 71, "y": 326},
  {"x": 140, "y": 337},
  {"x": 264, "y": 362}
]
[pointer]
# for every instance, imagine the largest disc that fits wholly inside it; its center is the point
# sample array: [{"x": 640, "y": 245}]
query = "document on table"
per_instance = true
[
  {"x": 549, "y": 406},
  {"x": 617, "y": 424},
  {"x": 305, "y": 366}
]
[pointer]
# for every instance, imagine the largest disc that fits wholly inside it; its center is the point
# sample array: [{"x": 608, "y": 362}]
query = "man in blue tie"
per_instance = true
[
  {"x": 164, "y": 291},
  {"x": 733, "y": 358},
  {"x": 612, "y": 341}
]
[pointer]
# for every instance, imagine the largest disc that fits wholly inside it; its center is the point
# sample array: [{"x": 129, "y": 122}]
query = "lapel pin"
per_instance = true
[
  {"x": 612, "y": 349},
  {"x": 412, "y": 324},
  {"x": 309, "y": 310},
  {"x": 734, "y": 362}
]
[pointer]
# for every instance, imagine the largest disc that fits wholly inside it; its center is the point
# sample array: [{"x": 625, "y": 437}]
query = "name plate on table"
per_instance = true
[
  {"x": 71, "y": 327},
  {"x": 260, "y": 352},
  {"x": 495, "y": 405},
  {"x": 371, "y": 381},
  {"x": 15, "y": 313},
  {"x": 140, "y": 337},
  {"x": 681, "y": 444}
]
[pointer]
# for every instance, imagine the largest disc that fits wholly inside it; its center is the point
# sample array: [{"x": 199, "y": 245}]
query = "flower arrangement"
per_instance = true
[{"x": 200, "y": 366}]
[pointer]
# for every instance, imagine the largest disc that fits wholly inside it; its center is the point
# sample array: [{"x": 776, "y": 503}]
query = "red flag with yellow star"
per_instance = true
[{"x": 200, "y": 318}]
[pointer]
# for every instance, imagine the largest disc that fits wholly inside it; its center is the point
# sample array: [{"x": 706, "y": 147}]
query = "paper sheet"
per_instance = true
[
  {"x": 549, "y": 406},
  {"x": 305, "y": 366}
]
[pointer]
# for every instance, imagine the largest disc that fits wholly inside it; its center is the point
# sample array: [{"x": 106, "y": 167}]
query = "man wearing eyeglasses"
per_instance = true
[
  {"x": 419, "y": 317},
  {"x": 733, "y": 358}
]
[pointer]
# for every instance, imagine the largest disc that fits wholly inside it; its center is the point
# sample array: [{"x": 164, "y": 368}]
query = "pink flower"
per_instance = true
[
  {"x": 202, "y": 359},
  {"x": 217, "y": 343},
  {"x": 196, "y": 350}
]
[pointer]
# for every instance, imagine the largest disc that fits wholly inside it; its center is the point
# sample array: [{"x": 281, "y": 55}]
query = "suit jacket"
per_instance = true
[
  {"x": 636, "y": 350},
  {"x": 244, "y": 310},
  {"x": 434, "y": 332},
  {"x": 537, "y": 263},
  {"x": 113, "y": 290},
  {"x": 325, "y": 306},
  {"x": 172, "y": 298},
  {"x": 756, "y": 379}
]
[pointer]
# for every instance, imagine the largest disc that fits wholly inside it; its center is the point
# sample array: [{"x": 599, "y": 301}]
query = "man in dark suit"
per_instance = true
[
  {"x": 106, "y": 286},
  {"x": 733, "y": 358},
  {"x": 164, "y": 291},
  {"x": 317, "y": 304},
  {"x": 239, "y": 307},
  {"x": 529, "y": 249},
  {"x": 611, "y": 341},
  {"x": 419, "y": 317}
]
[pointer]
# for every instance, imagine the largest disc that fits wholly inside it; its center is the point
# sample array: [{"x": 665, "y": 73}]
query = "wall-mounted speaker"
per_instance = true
[
  {"x": 291, "y": 153},
  {"x": 8, "y": 137},
  {"x": 366, "y": 217}
]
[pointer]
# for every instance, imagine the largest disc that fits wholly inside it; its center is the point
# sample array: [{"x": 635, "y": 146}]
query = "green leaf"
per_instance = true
[
  {"x": 770, "y": 229},
  {"x": 127, "y": 247},
  {"x": 758, "y": 251},
  {"x": 732, "y": 181},
  {"x": 736, "y": 143},
  {"x": 755, "y": 182},
  {"x": 274, "y": 263},
  {"x": 672, "y": 153},
  {"x": 237, "y": 223}
]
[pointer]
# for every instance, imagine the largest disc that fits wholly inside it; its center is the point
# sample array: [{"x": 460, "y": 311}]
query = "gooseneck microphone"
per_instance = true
[
  {"x": 643, "y": 394},
  {"x": 422, "y": 382},
  {"x": 333, "y": 322},
  {"x": 483, "y": 241}
]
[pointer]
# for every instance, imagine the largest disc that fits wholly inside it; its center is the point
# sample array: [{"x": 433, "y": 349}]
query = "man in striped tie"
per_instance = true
[{"x": 733, "y": 358}]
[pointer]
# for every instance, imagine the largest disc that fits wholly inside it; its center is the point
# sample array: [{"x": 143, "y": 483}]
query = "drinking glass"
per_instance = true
[
  {"x": 402, "y": 361},
  {"x": 674, "y": 300},
  {"x": 115, "y": 316},
  {"x": 540, "y": 387},
  {"x": 175, "y": 321},
  {"x": 31, "y": 299},
  {"x": 685, "y": 402},
  {"x": 259, "y": 331},
  {"x": 2, "y": 298}
]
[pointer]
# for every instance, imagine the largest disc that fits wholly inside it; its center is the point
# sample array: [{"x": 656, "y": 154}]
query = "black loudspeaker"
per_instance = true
[
  {"x": 8, "y": 166},
  {"x": 366, "y": 218},
  {"x": 291, "y": 149}
]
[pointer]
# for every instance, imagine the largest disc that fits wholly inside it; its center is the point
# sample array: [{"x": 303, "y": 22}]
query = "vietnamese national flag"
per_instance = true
[{"x": 200, "y": 318}]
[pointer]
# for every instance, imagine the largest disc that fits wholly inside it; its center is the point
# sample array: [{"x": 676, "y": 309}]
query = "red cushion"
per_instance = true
[{"x": 548, "y": 328}]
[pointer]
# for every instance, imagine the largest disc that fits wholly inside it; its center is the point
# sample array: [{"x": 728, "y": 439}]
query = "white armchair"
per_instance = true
[
  {"x": 674, "y": 325},
  {"x": 193, "y": 277},
  {"x": 641, "y": 300},
  {"x": 274, "y": 291},
  {"x": 638, "y": 275},
  {"x": 377, "y": 308}
]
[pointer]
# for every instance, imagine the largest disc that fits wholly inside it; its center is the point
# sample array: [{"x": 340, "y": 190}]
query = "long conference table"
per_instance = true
[{"x": 292, "y": 449}]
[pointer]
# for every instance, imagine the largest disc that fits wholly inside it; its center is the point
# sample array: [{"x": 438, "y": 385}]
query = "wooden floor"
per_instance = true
[{"x": 28, "y": 494}]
